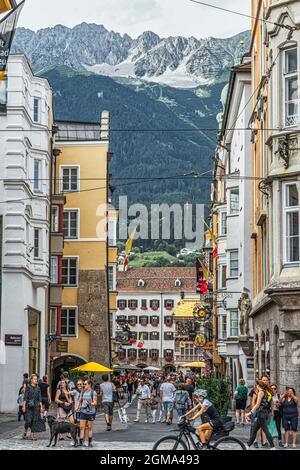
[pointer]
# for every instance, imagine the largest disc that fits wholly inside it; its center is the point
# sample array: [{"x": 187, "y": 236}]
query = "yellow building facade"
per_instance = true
[{"x": 88, "y": 266}]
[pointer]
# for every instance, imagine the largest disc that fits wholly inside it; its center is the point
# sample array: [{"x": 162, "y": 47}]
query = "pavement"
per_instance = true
[{"x": 130, "y": 436}]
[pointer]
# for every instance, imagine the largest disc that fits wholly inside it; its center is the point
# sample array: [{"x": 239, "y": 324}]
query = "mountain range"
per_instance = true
[
  {"x": 171, "y": 86},
  {"x": 176, "y": 61}
]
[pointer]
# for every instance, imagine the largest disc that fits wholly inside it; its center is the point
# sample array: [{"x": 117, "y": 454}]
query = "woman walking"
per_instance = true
[
  {"x": 277, "y": 413},
  {"x": 32, "y": 407},
  {"x": 289, "y": 402},
  {"x": 63, "y": 400},
  {"x": 87, "y": 402},
  {"x": 262, "y": 408},
  {"x": 241, "y": 396}
]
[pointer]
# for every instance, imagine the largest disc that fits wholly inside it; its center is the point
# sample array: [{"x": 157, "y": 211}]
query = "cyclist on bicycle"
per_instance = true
[{"x": 210, "y": 417}]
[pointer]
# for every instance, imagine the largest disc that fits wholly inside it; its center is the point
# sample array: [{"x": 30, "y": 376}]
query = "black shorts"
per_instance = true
[
  {"x": 86, "y": 417},
  {"x": 108, "y": 408},
  {"x": 290, "y": 423},
  {"x": 240, "y": 404},
  {"x": 46, "y": 403}
]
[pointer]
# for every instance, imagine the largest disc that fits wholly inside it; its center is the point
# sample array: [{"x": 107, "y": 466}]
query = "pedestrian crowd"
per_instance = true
[{"x": 159, "y": 398}]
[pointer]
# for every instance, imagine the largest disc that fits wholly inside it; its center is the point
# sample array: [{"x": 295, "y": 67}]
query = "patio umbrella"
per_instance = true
[
  {"x": 152, "y": 368},
  {"x": 92, "y": 367},
  {"x": 128, "y": 367},
  {"x": 194, "y": 365}
]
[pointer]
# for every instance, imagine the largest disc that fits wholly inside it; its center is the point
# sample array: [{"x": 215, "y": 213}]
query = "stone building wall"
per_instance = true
[{"x": 93, "y": 312}]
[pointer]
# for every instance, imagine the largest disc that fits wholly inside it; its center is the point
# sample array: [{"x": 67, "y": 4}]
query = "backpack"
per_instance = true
[
  {"x": 242, "y": 394},
  {"x": 180, "y": 398}
]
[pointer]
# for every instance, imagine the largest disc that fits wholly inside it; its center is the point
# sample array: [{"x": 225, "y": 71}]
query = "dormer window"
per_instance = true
[
  {"x": 141, "y": 283},
  {"x": 178, "y": 283}
]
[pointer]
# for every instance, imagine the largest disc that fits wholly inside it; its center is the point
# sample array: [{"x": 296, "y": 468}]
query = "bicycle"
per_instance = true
[{"x": 184, "y": 440}]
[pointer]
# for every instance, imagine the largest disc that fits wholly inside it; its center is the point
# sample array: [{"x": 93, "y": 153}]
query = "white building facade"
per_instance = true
[
  {"x": 25, "y": 150},
  {"x": 147, "y": 298},
  {"x": 233, "y": 208}
]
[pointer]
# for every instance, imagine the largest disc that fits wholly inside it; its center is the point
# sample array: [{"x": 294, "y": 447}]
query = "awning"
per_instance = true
[{"x": 194, "y": 365}]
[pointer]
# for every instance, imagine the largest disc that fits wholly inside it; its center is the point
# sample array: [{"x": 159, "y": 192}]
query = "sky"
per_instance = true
[{"x": 164, "y": 17}]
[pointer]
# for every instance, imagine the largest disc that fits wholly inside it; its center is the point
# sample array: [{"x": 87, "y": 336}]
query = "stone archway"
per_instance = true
[{"x": 64, "y": 364}]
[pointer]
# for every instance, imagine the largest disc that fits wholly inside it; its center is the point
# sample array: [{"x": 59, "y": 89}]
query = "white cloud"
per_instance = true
[{"x": 165, "y": 17}]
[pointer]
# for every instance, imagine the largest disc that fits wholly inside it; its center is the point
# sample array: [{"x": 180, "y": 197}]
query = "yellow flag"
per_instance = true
[
  {"x": 212, "y": 236},
  {"x": 205, "y": 270},
  {"x": 129, "y": 242}
]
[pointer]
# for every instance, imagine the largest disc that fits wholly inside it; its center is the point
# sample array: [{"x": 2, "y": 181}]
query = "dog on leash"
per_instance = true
[{"x": 61, "y": 427}]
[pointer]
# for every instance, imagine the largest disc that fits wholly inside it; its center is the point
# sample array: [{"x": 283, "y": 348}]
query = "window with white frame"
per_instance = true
[
  {"x": 37, "y": 167},
  {"x": 70, "y": 179},
  {"x": 234, "y": 323},
  {"x": 233, "y": 263},
  {"x": 223, "y": 224},
  {"x": 36, "y": 110},
  {"x": 52, "y": 327},
  {"x": 290, "y": 223},
  {"x": 69, "y": 272},
  {"x": 234, "y": 199},
  {"x": 54, "y": 219},
  {"x": 54, "y": 270},
  {"x": 222, "y": 327},
  {"x": 222, "y": 275},
  {"x": 112, "y": 232},
  {"x": 291, "y": 94},
  {"x": 71, "y": 223},
  {"x": 111, "y": 278},
  {"x": 69, "y": 322},
  {"x": 37, "y": 243}
]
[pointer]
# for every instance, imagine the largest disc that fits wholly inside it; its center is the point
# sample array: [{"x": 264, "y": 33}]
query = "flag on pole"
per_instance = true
[
  {"x": 211, "y": 234},
  {"x": 7, "y": 31},
  {"x": 205, "y": 270},
  {"x": 202, "y": 286},
  {"x": 129, "y": 242},
  {"x": 126, "y": 264}
]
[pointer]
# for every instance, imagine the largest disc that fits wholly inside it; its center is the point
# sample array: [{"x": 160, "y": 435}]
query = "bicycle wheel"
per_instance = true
[
  {"x": 170, "y": 443},
  {"x": 229, "y": 443}
]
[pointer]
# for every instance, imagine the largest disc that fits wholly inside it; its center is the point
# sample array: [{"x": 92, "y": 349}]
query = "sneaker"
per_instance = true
[
  {"x": 255, "y": 445},
  {"x": 286, "y": 446},
  {"x": 136, "y": 420},
  {"x": 86, "y": 444},
  {"x": 90, "y": 445},
  {"x": 146, "y": 420},
  {"x": 294, "y": 446},
  {"x": 247, "y": 447},
  {"x": 163, "y": 421},
  {"x": 153, "y": 421},
  {"x": 265, "y": 446},
  {"x": 280, "y": 444}
]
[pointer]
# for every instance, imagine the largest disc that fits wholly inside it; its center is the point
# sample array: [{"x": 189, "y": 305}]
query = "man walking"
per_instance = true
[
  {"x": 144, "y": 396},
  {"x": 107, "y": 390},
  {"x": 167, "y": 392}
]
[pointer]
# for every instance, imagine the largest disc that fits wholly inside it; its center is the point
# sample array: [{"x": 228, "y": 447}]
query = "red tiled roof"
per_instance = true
[{"x": 157, "y": 279}]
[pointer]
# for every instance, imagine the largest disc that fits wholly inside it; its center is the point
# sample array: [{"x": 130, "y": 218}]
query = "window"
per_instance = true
[
  {"x": 222, "y": 273},
  {"x": 70, "y": 179},
  {"x": 154, "y": 304},
  {"x": 3, "y": 95},
  {"x": 111, "y": 278},
  {"x": 154, "y": 336},
  {"x": 168, "y": 353},
  {"x": 168, "y": 336},
  {"x": 132, "y": 320},
  {"x": 132, "y": 353},
  {"x": 69, "y": 271},
  {"x": 154, "y": 353},
  {"x": 54, "y": 219},
  {"x": 37, "y": 175},
  {"x": 222, "y": 327},
  {"x": 291, "y": 97},
  {"x": 54, "y": 270},
  {"x": 121, "y": 319},
  {"x": 36, "y": 109},
  {"x": 37, "y": 242},
  {"x": 132, "y": 304},
  {"x": 143, "y": 320},
  {"x": 133, "y": 335},
  {"x": 71, "y": 224},
  {"x": 144, "y": 304},
  {"x": 291, "y": 223},
  {"x": 169, "y": 303},
  {"x": 52, "y": 328},
  {"x": 68, "y": 322},
  {"x": 143, "y": 354},
  {"x": 154, "y": 321},
  {"x": 122, "y": 304},
  {"x": 234, "y": 323},
  {"x": 169, "y": 321},
  {"x": 234, "y": 201},
  {"x": 223, "y": 224},
  {"x": 234, "y": 263}
]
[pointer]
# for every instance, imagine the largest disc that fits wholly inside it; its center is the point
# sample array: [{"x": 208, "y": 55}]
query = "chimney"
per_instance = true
[{"x": 104, "y": 125}]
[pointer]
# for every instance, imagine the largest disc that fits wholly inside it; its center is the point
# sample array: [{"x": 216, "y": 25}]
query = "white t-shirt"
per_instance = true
[
  {"x": 144, "y": 392},
  {"x": 107, "y": 388},
  {"x": 168, "y": 391}
]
